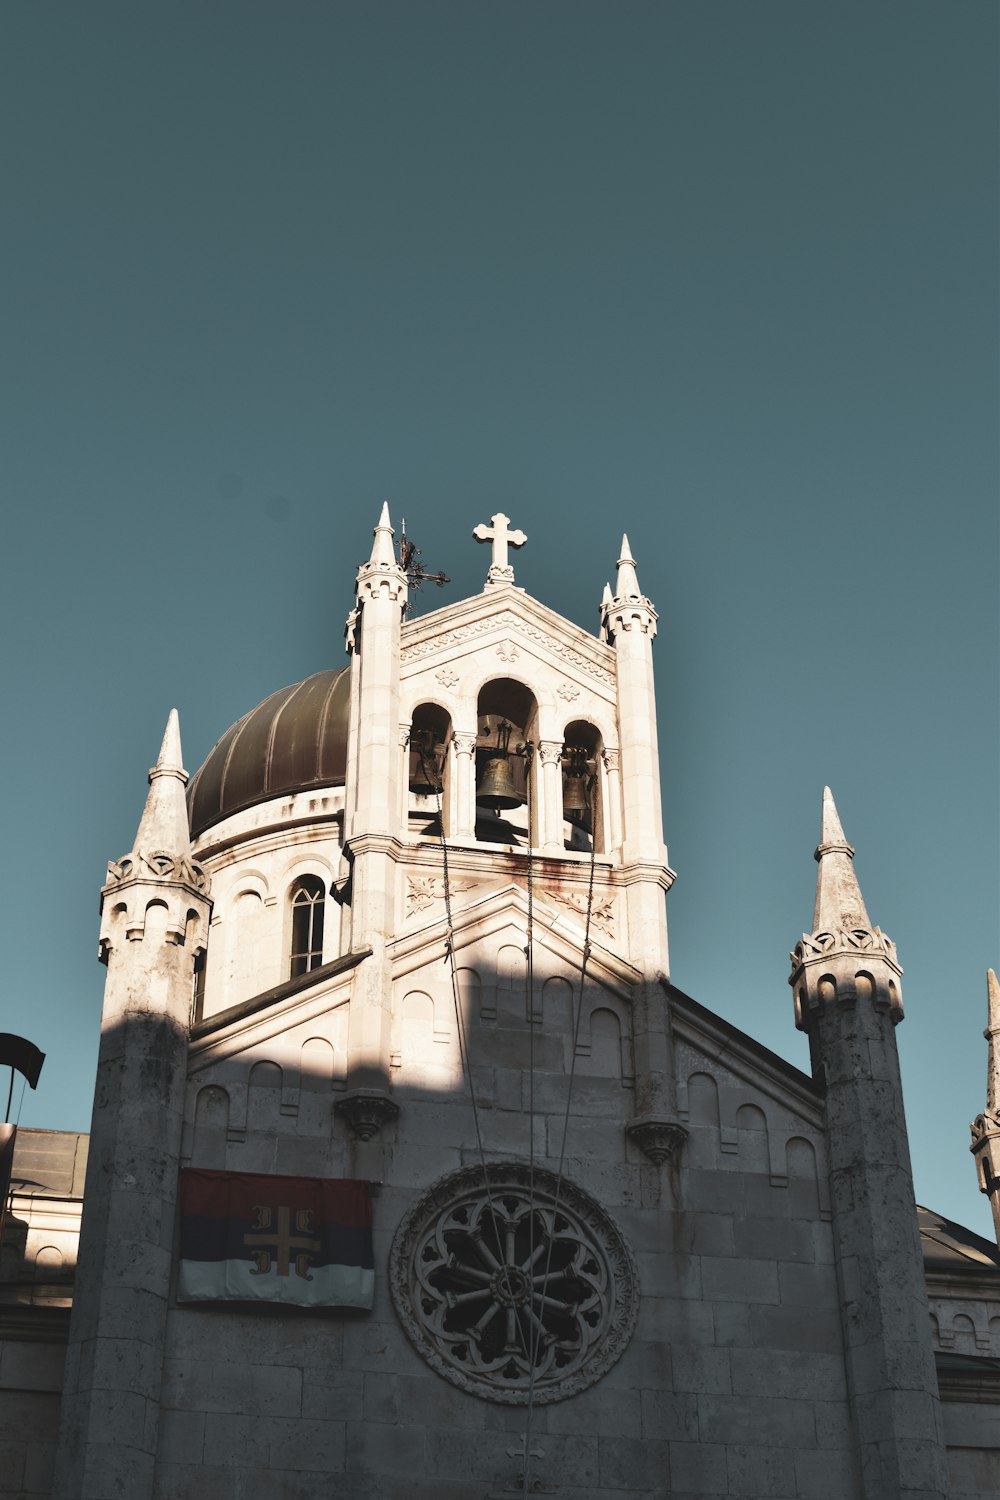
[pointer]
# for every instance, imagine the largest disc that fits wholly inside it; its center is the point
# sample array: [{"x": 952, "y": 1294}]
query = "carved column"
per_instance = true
[
  {"x": 551, "y": 820},
  {"x": 404, "y": 778},
  {"x": 611, "y": 765},
  {"x": 464, "y": 793}
]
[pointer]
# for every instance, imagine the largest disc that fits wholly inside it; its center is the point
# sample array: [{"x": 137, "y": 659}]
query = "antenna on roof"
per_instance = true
[{"x": 416, "y": 573}]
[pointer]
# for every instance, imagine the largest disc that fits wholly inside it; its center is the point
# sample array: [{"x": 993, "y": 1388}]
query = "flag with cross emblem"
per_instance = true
[{"x": 247, "y": 1237}]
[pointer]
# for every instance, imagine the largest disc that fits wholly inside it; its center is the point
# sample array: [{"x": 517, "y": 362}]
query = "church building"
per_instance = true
[{"x": 411, "y": 1174}]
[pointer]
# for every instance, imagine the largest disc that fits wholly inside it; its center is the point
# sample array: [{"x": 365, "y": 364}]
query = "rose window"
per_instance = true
[{"x": 494, "y": 1277}]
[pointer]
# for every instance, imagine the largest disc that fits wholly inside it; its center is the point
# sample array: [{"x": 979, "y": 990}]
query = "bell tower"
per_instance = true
[{"x": 496, "y": 748}]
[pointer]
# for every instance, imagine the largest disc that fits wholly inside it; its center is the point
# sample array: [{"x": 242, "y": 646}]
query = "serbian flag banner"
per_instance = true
[{"x": 247, "y": 1237}]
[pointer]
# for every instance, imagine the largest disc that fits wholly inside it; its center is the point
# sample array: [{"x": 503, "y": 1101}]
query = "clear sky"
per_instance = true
[{"x": 720, "y": 274}]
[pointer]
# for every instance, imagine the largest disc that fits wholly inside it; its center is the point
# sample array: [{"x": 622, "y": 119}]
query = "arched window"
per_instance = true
[
  {"x": 308, "y": 904},
  {"x": 506, "y": 781}
]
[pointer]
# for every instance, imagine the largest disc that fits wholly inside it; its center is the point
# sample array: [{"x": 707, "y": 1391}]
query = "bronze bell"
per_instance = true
[
  {"x": 424, "y": 769},
  {"x": 576, "y": 785},
  {"x": 576, "y": 803},
  {"x": 496, "y": 784}
]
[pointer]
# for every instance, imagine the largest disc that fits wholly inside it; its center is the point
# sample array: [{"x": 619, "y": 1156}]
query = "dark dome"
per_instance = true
[{"x": 295, "y": 739}]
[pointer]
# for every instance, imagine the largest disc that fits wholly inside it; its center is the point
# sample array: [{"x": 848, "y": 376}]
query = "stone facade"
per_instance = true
[{"x": 621, "y": 1249}]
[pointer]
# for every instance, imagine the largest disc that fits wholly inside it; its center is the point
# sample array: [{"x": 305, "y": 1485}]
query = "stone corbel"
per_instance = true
[
  {"x": 366, "y": 1111},
  {"x": 657, "y": 1136}
]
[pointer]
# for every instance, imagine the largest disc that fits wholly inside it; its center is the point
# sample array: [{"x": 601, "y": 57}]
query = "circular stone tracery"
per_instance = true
[{"x": 491, "y": 1276}]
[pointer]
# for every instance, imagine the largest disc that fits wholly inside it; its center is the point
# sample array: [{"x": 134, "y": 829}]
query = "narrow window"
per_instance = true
[
  {"x": 307, "y": 925},
  {"x": 198, "y": 986}
]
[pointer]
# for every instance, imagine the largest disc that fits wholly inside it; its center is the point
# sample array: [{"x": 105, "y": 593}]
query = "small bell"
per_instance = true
[
  {"x": 576, "y": 786},
  {"x": 424, "y": 770}
]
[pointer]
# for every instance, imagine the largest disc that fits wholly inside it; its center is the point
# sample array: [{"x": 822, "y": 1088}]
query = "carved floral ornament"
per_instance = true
[
  {"x": 494, "y": 1271},
  {"x": 424, "y": 890}
]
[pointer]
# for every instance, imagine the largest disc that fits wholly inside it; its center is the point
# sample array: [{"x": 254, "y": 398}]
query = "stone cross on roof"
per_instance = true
[{"x": 502, "y": 538}]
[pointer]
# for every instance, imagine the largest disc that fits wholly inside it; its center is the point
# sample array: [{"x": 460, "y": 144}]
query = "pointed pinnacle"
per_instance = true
[
  {"x": 383, "y": 551},
  {"x": 627, "y": 583},
  {"x": 164, "y": 821},
  {"x": 606, "y": 596},
  {"x": 991, "y": 1034},
  {"x": 839, "y": 902}
]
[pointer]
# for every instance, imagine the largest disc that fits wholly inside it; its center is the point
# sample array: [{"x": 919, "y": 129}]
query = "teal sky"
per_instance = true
[{"x": 720, "y": 274}]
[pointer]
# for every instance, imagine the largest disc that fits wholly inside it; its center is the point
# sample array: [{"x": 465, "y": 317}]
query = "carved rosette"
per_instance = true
[
  {"x": 494, "y": 1271},
  {"x": 366, "y": 1111},
  {"x": 656, "y": 1138}
]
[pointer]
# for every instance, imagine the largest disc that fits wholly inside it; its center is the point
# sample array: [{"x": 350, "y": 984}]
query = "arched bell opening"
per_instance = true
[
  {"x": 583, "y": 795},
  {"x": 506, "y": 778},
  {"x": 428, "y": 771}
]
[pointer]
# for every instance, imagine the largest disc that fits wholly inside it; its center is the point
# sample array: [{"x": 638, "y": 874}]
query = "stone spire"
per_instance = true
[
  {"x": 839, "y": 903},
  {"x": 992, "y": 1033},
  {"x": 627, "y": 583},
  {"x": 843, "y": 938},
  {"x": 164, "y": 822},
  {"x": 986, "y": 1127},
  {"x": 383, "y": 552},
  {"x": 159, "y": 860},
  {"x": 628, "y": 609}
]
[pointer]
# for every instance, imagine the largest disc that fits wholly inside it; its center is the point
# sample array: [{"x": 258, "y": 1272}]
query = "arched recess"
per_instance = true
[
  {"x": 751, "y": 1122},
  {"x": 963, "y": 1334},
  {"x": 803, "y": 1176},
  {"x": 477, "y": 1002},
  {"x": 557, "y": 1006},
  {"x": 414, "y": 1030},
  {"x": 242, "y": 928},
  {"x": 114, "y": 932},
  {"x": 604, "y": 1045},
  {"x": 584, "y": 795},
  {"x": 506, "y": 731},
  {"x": 429, "y": 775},
  {"x": 703, "y": 1100},
  {"x": 512, "y": 986},
  {"x": 211, "y": 1124},
  {"x": 603, "y": 1057},
  {"x": 264, "y": 1097}
]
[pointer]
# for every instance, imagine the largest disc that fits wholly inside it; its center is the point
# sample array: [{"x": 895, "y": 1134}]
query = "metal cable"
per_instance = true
[
  {"x": 463, "y": 1045},
  {"x": 565, "y": 1130}
]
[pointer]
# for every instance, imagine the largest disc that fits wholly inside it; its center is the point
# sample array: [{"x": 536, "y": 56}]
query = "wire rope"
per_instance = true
[
  {"x": 584, "y": 956},
  {"x": 463, "y": 1042}
]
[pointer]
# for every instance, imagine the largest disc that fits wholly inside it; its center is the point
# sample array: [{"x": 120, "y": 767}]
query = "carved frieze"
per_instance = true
[
  {"x": 859, "y": 939},
  {"x": 507, "y": 620},
  {"x": 157, "y": 864}
]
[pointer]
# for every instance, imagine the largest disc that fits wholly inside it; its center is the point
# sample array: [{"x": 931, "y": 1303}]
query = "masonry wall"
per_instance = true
[{"x": 733, "y": 1384}]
